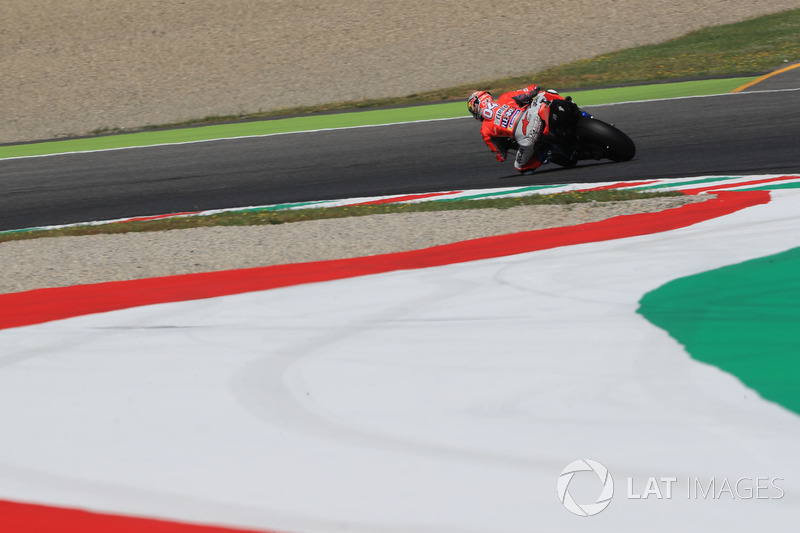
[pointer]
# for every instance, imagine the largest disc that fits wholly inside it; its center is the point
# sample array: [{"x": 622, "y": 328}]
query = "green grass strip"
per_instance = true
[
  {"x": 348, "y": 120},
  {"x": 242, "y": 129},
  {"x": 659, "y": 91}
]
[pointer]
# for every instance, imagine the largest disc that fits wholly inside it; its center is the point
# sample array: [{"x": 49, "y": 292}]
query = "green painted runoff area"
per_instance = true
[
  {"x": 350, "y": 119},
  {"x": 741, "y": 318}
]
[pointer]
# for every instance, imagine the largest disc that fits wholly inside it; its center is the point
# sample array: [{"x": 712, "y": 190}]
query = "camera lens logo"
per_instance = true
[{"x": 586, "y": 509}]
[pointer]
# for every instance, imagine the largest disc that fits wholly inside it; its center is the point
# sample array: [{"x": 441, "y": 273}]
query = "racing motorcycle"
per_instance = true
[{"x": 571, "y": 134}]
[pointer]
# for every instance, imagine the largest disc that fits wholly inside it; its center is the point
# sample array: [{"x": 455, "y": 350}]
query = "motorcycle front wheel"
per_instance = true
[{"x": 605, "y": 140}]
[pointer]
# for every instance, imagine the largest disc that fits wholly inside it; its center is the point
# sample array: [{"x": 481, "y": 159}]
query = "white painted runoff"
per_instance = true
[{"x": 447, "y": 399}]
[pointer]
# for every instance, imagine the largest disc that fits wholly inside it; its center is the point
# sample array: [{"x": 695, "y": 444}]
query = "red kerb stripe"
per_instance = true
[
  {"x": 43, "y": 305},
  {"x": 30, "y": 518}
]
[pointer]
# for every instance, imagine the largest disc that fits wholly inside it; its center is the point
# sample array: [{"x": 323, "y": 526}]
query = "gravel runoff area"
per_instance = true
[
  {"x": 62, "y": 261},
  {"x": 70, "y": 67}
]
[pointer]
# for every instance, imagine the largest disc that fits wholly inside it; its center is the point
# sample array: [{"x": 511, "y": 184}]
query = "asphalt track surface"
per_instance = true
[{"x": 734, "y": 134}]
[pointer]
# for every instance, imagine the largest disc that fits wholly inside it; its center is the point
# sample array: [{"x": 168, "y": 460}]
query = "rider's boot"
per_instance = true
[
  {"x": 541, "y": 155},
  {"x": 531, "y": 165}
]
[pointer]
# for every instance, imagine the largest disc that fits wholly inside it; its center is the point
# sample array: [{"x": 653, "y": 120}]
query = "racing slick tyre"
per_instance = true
[{"x": 611, "y": 142}]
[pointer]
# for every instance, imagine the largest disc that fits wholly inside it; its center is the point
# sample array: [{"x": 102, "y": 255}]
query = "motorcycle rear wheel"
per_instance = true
[{"x": 611, "y": 143}]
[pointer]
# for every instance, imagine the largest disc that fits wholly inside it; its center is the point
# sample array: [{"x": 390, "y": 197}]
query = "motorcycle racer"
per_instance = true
[{"x": 507, "y": 118}]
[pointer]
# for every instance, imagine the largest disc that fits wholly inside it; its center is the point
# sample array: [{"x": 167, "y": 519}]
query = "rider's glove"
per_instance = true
[
  {"x": 526, "y": 98},
  {"x": 499, "y": 148}
]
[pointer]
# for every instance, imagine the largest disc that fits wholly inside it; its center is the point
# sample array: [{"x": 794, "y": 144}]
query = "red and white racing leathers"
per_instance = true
[{"x": 500, "y": 119}]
